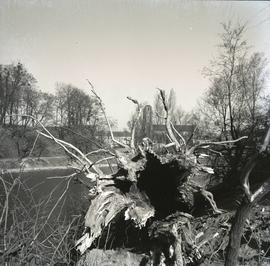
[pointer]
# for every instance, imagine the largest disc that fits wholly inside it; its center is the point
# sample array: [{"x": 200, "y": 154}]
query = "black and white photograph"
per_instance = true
[{"x": 134, "y": 133}]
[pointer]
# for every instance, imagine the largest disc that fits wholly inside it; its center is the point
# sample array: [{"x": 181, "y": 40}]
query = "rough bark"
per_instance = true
[
  {"x": 236, "y": 233},
  {"x": 246, "y": 205}
]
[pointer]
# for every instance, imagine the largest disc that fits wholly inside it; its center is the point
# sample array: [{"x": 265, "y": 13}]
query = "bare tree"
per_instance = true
[
  {"x": 14, "y": 79},
  {"x": 75, "y": 108},
  {"x": 233, "y": 100}
]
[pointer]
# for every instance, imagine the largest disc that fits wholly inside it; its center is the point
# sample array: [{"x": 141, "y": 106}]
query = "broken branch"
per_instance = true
[
  {"x": 192, "y": 149},
  {"x": 138, "y": 113},
  {"x": 179, "y": 135},
  {"x": 168, "y": 120}
]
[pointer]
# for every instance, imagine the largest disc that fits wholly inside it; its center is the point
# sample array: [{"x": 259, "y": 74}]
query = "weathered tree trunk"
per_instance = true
[
  {"x": 246, "y": 205},
  {"x": 236, "y": 233}
]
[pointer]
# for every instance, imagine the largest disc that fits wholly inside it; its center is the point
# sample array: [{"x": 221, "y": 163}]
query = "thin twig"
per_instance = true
[
  {"x": 105, "y": 115},
  {"x": 62, "y": 239},
  {"x": 51, "y": 212}
]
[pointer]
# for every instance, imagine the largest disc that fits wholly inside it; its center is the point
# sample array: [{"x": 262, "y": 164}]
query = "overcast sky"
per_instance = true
[{"x": 126, "y": 48}]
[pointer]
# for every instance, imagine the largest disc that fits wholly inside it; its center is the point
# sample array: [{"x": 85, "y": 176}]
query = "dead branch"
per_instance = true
[
  {"x": 261, "y": 191},
  {"x": 194, "y": 148},
  {"x": 168, "y": 120},
  {"x": 138, "y": 113},
  {"x": 179, "y": 135},
  {"x": 212, "y": 151},
  {"x": 169, "y": 145},
  {"x": 102, "y": 160},
  {"x": 63, "y": 145},
  {"x": 105, "y": 115},
  {"x": 85, "y": 162}
]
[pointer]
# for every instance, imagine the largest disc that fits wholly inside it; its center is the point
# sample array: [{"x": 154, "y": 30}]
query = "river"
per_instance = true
[{"x": 49, "y": 185}]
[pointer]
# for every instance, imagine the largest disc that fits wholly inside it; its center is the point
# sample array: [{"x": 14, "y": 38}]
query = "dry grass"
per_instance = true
[{"x": 36, "y": 231}]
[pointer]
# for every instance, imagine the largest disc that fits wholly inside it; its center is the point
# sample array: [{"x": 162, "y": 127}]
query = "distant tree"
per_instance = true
[
  {"x": 19, "y": 97},
  {"x": 233, "y": 102},
  {"x": 78, "y": 115},
  {"x": 233, "y": 105},
  {"x": 45, "y": 107},
  {"x": 251, "y": 78},
  {"x": 74, "y": 107},
  {"x": 14, "y": 79}
]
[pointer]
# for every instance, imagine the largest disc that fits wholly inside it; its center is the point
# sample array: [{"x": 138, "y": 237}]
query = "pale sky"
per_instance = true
[{"x": 125, "y": 47}]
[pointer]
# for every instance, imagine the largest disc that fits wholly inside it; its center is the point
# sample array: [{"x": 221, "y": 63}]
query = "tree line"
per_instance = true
[
  {"x": 236, "y": 101},
  {"x": 69, "y": 113},
  {"x": 19, "y": 96}
]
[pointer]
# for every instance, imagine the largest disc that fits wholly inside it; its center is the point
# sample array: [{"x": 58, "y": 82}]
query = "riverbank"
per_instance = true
[{"x": 35, "y": 164}]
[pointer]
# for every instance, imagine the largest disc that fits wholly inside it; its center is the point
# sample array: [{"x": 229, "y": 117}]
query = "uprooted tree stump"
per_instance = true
[{"x": 149, "y": 205}]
